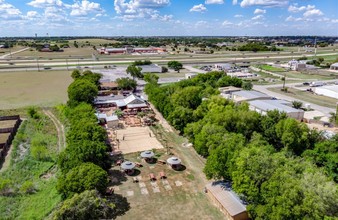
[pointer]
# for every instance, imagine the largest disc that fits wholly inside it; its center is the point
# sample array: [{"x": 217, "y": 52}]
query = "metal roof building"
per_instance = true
[
  {"x": 248, "y": 96},
  {"x": 334, "y": 66},
  {"x": 329, "y": 91},
  {"x": 227, "y": 201},
  {"x": 263, "y": 106}
]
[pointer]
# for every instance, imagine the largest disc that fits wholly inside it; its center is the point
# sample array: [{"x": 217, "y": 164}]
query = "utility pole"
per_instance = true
[{"x": 37, "y": 64}]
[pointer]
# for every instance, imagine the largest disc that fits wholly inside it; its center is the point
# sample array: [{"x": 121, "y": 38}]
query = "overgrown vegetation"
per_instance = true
[
  {"x": 270, "y": 160},
  {"x": 27, "y": 186}
]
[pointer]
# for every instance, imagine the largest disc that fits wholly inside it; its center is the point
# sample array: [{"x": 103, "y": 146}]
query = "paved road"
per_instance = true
[{"x": 10, "y": 54}]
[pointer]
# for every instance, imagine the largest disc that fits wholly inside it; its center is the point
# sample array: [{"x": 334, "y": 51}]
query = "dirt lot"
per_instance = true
[
  {"x": 179, "y": 196},
  {"x": 7, "y": 123},
  {"x": 45, "y": 88},
  {"x": 136, "y": 139},
  {"x": 4, "y": 137}
]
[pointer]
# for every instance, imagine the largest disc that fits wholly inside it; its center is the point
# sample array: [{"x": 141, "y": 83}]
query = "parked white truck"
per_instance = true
[{"x": 316, "y": 84}]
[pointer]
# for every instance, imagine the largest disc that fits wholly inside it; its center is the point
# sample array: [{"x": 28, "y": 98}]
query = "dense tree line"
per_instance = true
[
  {"x": 255, "y": 47},
  {"x": 84, "y": 161},
  {"x": 278, "y": 165}
]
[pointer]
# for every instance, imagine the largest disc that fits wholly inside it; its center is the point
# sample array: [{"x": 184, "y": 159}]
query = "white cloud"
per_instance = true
[
  {"x": 265, "y": 3},
  {"x": 209, "y": 2},
  {"x": 258, "y": 17},
  {"x": 313, "y": 13},
  {"x": 334, "y": 20},
  {"x": 259, "y": 11},
  {"x": 295, "y": 9},
  {"x": 32, "y": 14},
  {"x": 238, "y": 16},
  {"x": 132, "y": 9},
  {"x": 46, "y": 3},
  {"x": 234, "y": 2},
  {"x": 198, "y": 8},
  {"x": 8, "y": 11},
  {"x": 227, "y": 23},
  {"x": 85, "y": 7}
]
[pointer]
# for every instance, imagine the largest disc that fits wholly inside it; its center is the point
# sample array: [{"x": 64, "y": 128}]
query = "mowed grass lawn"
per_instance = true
[{"x": 45, "y": 88}]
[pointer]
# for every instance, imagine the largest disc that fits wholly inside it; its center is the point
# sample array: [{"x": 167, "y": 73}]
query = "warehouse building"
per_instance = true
[
  {"x": 227, "y": 201},
  {"x": 329, "y": 91},
  {"x": 263, "y": 106}
]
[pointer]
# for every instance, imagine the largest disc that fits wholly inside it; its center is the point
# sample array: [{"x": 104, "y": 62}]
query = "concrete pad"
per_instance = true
[
  {"x": 165, "y": 182},
  {"x": 141, "y": 184},
  {"x": 156, "y": 189},
  {"x": 153, "y": 184},
  {"x": 144, "y": 191},
  {"x": 313, "y": 114},
  {"x": 178, "y": 183},
  {"x": 137, "y": 139},
  {"x": 130, "y": 193},
  {"x": 167, "y": 187}
]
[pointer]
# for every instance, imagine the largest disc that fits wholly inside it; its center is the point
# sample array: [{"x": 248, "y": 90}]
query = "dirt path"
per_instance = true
[
  {"x": 59, "y": 127},
  {"x": 161, "y": 120}
]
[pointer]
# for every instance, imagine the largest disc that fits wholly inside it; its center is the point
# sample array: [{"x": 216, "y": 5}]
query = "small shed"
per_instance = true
[
  {"x": 227, "y": 201},
  {"x": 112, "y": 121}
]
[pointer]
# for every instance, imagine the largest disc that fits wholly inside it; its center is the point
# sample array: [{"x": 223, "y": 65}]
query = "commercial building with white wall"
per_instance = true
[{"x": 329, "y": 91}]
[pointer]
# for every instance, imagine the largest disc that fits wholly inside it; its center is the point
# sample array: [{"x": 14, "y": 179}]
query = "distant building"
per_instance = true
[
  {"x": 297, "y": 65},
  {"x": 130, "y": 102},
  {"x": 334, "y": 66},
  {"x": 263, "y": 106},
  {"x": 329, "y": 91},
  {"x": 251, "y": 95},
  {"x": 108, "y": 86},
  {"x": 227, "y": 201},
  {"x": 190, "y": 75},
  {"x": 111, "y": 121},
  {"x": 130, "y": 50},
  {"x": 151, "y": 68}
]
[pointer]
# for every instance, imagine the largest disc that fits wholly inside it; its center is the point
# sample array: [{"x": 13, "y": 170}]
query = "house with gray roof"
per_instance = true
[{"x": 131, "y": 102}]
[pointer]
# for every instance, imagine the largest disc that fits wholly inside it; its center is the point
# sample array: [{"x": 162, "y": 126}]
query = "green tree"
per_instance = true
[
  {"x": 126, "y": 83},
  {"x": 151, "y": 78},
  {"x": 175, "y": 65},
  {"x": 180, "y": 117},
  {"x": 81, "y": 90},
  {"x": 86, "y": 205},
  {"x": 297, "y": 104},
  {"x": 134, "y": 71},
  {"x": 86, "y": 176},
  {"x": 39, "y": 152},
  {"x": 247, "y": 85},
  {"x": 188, "y": 97},
  {"x": 76, "y": 74}
]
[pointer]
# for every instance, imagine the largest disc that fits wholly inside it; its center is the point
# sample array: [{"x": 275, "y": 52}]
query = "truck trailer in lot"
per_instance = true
[{"x": 316, "y": 84}]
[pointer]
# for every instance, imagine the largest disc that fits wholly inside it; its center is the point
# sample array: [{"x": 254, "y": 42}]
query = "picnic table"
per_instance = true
[
  {"x": 162, "y": 175},
  {"x": 152, "y": 177},
  {"x": 161, "y": 162}
]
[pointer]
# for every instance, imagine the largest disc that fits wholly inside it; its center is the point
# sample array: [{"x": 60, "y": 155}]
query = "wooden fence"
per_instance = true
[{"x": 5, "y": 146}]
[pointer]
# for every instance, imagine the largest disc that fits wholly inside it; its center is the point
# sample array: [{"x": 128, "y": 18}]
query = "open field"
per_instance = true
[
  {"x": 179, "y": 196},
  {"x": 271, "y": 68},
  {"x": 313, "y": 74},
  {"x": 67, "y": 53},
  {"x": 45, "y": 88},
  {"x": 308, "y": 97}
]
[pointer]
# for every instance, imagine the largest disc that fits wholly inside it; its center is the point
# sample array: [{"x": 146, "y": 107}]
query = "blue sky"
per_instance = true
[{"x": 168, "y": 17}]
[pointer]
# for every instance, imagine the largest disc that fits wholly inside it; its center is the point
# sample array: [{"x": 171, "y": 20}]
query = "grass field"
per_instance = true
[
  {"x": 23, "y": 167},
  {"x": 319, "y": 74},
  {"x": 271, "y": 68},
  {"x": 45, "y": 88},
  {"x": 67, "y": 53},
  {"x": 309, "y": 97}
]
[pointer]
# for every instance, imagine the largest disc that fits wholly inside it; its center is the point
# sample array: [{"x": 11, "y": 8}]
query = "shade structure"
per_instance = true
[
  {"x": 147, "y": 154},
  {"x": 128, "y": 165},
  {"x": 174, "y": 161}
]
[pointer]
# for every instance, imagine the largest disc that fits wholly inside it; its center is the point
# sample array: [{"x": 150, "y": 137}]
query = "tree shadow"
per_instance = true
[
  {"x": 116, "y": 177},
  {"x": 121, "y": 205}
]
